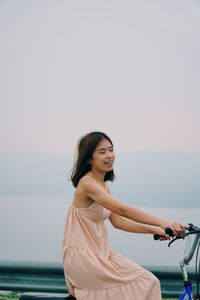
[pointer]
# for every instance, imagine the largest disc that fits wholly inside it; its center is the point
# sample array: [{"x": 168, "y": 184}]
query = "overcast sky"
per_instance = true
[{"x": 129, "y": 68}]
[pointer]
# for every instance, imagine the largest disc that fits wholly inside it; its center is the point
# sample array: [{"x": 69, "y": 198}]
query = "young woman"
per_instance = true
[{"x": 92, "y": 270}]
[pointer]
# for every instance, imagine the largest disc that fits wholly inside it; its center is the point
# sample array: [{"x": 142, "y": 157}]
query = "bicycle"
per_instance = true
[{"x": 191, "y": 229}]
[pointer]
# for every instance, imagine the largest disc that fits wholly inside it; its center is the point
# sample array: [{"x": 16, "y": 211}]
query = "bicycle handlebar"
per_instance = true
[
  {"x": 167, "y": 231},
  {"x": 194, "y": 246},
  {"x": 190, "y": 229}
]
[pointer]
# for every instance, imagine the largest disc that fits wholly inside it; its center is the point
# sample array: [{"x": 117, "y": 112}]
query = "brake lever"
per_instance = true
[
  {"x": 175, "y": 238},
  {"x": 191, "y": 230}
]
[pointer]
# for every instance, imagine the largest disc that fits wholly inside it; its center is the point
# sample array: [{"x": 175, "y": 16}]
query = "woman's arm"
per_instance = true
[
  {"x": 93, "y": 190},
  {"x": 132, "y": 226}
]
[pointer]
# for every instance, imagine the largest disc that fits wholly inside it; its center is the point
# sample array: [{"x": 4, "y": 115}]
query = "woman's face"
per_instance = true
[{"x": 103, "y": 157}]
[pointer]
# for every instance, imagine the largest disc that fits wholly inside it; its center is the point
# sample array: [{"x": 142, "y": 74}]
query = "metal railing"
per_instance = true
[
  {"x": 32, "y": 277},
  {"x": 49, "y": 277}
]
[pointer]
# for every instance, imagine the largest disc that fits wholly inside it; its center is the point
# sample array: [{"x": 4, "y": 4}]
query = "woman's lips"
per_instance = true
[{"x": 109, "y": 163}]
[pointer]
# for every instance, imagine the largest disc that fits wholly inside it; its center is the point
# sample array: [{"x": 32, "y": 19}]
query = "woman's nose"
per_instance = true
[{"x": 110, "y": 155}]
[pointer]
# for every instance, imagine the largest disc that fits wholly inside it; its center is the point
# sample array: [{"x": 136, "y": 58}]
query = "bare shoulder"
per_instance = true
[
  {"x": 91, "y": 189},
  {"x": 81, "y": 197},
  {"x": 91, "y": 186},
  {"x": 86, "y": 182}
]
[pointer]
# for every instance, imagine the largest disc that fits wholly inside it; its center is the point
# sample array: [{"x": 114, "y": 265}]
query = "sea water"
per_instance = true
[{"x": 31, "y": 229}]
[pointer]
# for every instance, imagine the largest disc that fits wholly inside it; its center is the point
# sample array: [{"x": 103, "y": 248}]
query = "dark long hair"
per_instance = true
[{"x": 85, "y": 149}]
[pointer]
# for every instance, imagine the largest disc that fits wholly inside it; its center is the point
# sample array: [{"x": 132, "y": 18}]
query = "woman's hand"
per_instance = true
[{"x": 177, "y": 227}]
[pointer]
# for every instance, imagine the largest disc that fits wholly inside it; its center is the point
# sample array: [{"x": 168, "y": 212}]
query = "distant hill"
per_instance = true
[{"x": 148, "y": 178}]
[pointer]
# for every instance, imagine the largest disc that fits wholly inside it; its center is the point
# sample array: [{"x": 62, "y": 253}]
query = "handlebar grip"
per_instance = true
[
  {"x": 167, "y": 231},
  {"x": 156, "y": 236}
]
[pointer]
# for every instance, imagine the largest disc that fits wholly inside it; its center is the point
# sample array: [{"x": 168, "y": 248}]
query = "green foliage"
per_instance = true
[
  {"x": 5, "y": 295},
  {"x": 15, "y": 296}
]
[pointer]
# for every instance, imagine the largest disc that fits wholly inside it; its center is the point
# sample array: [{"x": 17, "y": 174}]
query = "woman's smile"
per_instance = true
[{"x": 109, "y": 163}]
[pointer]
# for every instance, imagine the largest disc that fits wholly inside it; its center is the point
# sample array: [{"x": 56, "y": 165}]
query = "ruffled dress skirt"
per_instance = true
[{"x": 92, "y": 270}]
